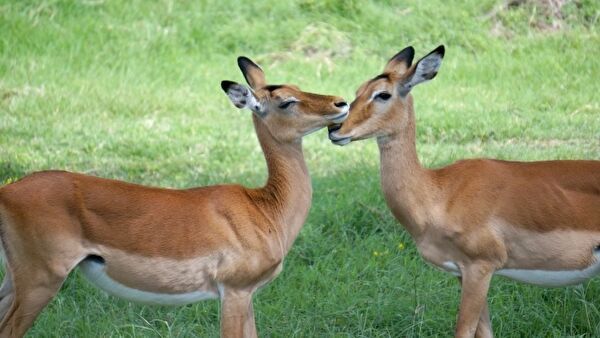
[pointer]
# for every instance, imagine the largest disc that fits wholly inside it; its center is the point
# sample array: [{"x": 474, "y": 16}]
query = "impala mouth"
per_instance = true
[
  {"x": 341, "y": 117},
  {"x": 342, "y": 142},
  {"x": 335, "y": 138}
]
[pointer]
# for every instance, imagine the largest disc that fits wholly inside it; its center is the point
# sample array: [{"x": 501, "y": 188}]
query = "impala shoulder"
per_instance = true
[
  {"x": 37, "y": 184},
  {"x": 43, "y": 176},
  {"x": 471, "y": 173},
  {"x": 467, "y": 166}
]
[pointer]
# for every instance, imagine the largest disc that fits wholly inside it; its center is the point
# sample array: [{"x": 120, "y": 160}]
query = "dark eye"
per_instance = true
[
  {"x": 286, "y": 104},
  {"x": 383, "y": 96}
]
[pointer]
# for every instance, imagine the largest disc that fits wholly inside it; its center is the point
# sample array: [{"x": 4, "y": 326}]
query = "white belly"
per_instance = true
[
  {"x": 95, "y": 272},
  {"x": 548, "y": 278}
]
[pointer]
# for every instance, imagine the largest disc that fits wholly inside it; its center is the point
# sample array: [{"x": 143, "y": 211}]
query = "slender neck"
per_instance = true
[
  {"x": 286, "y": 197},
  {"x": 407, "y": 186}
]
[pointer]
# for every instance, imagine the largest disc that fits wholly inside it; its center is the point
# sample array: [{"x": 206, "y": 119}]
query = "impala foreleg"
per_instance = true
[
  {"x": 484, "y": 326},
  {"x": 237, "y": 314},
  {"x": 473, "y": 315}
]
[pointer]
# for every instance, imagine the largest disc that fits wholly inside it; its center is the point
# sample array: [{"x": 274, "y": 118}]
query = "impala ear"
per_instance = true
[
  {"x": 425, "y": 70},
  {"x": 400, "y": 62},
  {"x": 252, "y": 72},
  {"x": 241, "y": 96}
]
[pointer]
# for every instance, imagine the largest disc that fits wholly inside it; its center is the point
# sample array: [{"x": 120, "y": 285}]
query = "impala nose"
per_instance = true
[{"x": 340, "y": 104}]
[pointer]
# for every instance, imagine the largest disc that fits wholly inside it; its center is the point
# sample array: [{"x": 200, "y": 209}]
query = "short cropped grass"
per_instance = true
[{"x": 130, "y": 90}]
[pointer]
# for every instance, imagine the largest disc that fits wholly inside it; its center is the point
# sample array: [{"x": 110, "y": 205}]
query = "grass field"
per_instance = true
[{"x": 130, "y": 90}]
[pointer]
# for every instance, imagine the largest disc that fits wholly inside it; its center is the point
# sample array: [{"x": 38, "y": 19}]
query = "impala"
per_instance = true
[
  {"x": 536, "y": 222},
  {"x": 164, "y": 246}
]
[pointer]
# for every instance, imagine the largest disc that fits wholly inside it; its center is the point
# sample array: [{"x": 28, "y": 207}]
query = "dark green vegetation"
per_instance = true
[{"x": 131, "y": 91}]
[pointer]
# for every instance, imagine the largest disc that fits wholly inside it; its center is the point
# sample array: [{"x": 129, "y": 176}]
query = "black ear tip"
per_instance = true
[
  {"x": 407, "y": 54},
  {"x": 225, "y": 85},
  {"x": 244, "y": 62},
  {"x": 440, "y": 50},
  {"x": 410, "y": 51}
]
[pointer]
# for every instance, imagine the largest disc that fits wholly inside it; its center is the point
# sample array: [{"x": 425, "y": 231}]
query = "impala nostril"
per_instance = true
[{"x": 340, "y": 104}]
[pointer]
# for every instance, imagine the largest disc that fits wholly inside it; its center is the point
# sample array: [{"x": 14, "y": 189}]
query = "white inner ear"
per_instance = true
[
  {"x": 243, "y": 97},
  {"x": 426, "y": 68},
  {"x": 252, "y": 103}
]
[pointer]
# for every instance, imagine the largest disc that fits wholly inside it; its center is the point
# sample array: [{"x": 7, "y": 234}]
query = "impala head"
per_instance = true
[
  {"x": 383, "y": 103},
  {"x": 288, "y": 112}
]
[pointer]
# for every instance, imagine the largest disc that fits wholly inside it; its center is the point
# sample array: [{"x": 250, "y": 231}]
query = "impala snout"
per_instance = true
[
  {"x": 342, "y": 107},
  {"x": 336, "y": 134},
  {"x": 335, "y": 137},
  {"x": 341, "y": 104},
  {"x": 338, "y": 118}
]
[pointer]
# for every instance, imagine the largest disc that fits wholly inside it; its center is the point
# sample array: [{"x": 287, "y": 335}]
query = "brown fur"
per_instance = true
[
  {"x": 481, "y": 214},
  {"x": 53, "y": 220}
]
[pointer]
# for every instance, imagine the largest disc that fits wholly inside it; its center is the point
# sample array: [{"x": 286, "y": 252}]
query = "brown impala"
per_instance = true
[
  {"x": 536, "y": 222},
  {"x": 163, "y": 246}
]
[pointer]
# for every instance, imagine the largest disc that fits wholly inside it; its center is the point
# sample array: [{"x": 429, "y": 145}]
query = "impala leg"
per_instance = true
[
  {"x": 249, "y": 323},
  {"x": 33, "y": 289},
  {"x": 484, "y": 326},
  {"x": 6, "y": 287},
  {"x": 237, "y": 314},
  {"x": 475, "y": 284},
  {"x": 6, "y": 293}
]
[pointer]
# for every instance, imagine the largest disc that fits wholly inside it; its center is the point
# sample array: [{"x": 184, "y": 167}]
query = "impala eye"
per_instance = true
[
  {"x": 286, "y": 104},
  {"x": 384, "y": 96}
]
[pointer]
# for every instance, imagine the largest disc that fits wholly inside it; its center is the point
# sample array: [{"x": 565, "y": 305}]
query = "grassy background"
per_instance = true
[{"x": 130, "y": 90}]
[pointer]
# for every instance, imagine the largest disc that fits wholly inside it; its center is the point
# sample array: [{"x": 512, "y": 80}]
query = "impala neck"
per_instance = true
[
  {"x": 407, "y": 186},
  {"x": 287, "y": 195}
]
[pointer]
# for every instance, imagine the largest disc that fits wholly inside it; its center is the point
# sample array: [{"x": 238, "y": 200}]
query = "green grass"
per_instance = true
[{"x": 130, "y": 90}]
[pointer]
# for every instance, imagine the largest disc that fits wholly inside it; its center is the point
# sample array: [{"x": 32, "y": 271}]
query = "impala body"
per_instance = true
[
  {"x": 164, "y": 246},
  {"x": 536, "y": 222}
]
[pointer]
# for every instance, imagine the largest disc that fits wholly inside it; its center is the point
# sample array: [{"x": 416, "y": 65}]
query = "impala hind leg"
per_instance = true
[
  {"x": 237, "y": 314},
  {"x": 473, "y": 303},
  {"x": 32, "y": 290},
  {"x": 6, "y": 293}
]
